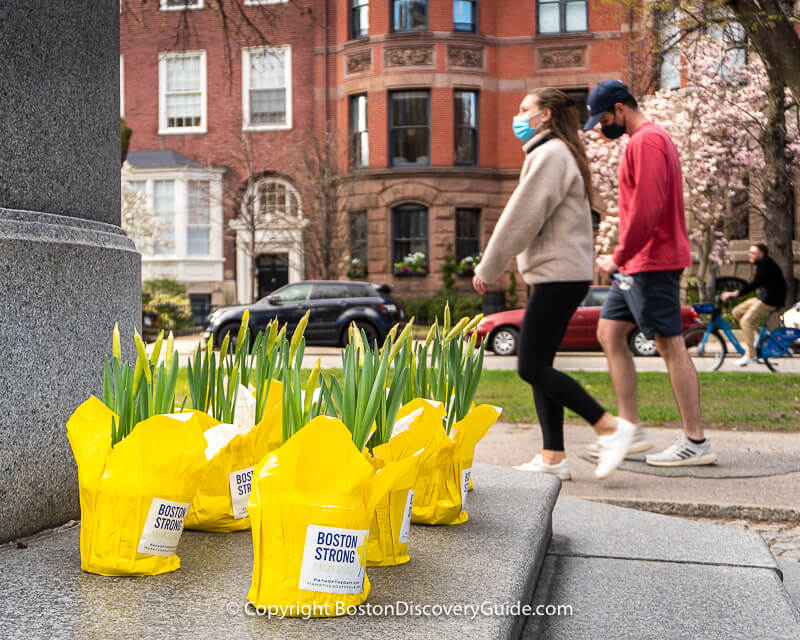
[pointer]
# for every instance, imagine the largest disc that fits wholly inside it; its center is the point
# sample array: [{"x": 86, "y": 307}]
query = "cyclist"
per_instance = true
[{"x": 771, "y": 286}]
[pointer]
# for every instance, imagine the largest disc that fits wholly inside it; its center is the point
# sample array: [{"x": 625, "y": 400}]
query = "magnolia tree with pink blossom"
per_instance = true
[{"x": 716, "y": 122}]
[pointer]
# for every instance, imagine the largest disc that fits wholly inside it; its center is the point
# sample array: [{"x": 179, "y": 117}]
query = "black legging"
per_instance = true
[{"x": 550, "y": 308}]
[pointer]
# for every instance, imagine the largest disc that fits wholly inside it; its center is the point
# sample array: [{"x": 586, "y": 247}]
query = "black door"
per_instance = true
[{"x": 273, "y": 272}]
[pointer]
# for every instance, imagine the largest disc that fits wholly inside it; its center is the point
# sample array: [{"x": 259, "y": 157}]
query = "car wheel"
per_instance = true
[
  {"x": 369, "y": 331},
  {"x": 233, "y": 330},
  {"x": 505, "y": 341},
  {"x": 640, "y": 345}
]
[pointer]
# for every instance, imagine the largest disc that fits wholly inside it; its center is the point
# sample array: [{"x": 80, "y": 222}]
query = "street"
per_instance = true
[{"x": 567, "y": 361}]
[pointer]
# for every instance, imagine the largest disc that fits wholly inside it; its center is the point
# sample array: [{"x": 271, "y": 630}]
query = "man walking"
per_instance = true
[
  {"x": 652, "y": 252},
  {"x": 771, "y": 286}
]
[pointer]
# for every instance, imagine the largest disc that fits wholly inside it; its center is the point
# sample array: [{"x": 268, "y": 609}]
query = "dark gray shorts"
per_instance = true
[{"x": 653, "y": 303}]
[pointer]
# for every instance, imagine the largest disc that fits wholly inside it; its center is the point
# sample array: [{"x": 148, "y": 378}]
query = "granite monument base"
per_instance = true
[{"x": 65, "y": 281}]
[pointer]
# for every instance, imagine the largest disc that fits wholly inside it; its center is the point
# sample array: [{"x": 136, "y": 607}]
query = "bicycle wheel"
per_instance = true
[
  {"x": 771, "y": 347},
  {"x": 708, "y": 356}
]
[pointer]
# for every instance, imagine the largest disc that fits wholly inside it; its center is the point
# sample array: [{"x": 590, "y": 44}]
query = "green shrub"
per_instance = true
[
  {"x": 449, "y": 269},
  {"x": 169, "y": 300},
  {"x": 426, "y": 308},
  {"x": 468, "y": 306}
]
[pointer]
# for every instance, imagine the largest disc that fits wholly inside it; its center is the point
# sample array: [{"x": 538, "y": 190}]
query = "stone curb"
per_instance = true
[{"x": 695, "y": 509}]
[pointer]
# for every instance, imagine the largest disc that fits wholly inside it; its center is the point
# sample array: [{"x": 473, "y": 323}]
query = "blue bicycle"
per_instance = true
[{"x": 707, "y": 346}]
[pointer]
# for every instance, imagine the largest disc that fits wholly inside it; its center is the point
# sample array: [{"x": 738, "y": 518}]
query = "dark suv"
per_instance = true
[{"x": 333, "y": 305}]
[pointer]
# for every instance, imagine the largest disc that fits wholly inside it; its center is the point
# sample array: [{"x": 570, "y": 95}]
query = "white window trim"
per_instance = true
[
  {"x": 255, "y": 3},
  {"x": 163, "y": 130},
  {"x": 209, "y": 226},
  {"x": 181, "y": 178},
  {"x": 281, "y": 218},
  {"x": 121, "y": 86},
  {"x": 246, "y": 125},
  {"x": 165, "y": 7}
]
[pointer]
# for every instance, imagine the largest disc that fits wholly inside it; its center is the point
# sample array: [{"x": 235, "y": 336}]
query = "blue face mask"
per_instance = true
[{"x": 522, "y": 127}]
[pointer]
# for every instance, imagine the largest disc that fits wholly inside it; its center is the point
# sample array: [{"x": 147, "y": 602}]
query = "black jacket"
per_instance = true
[{"x": 769, "y": 281}]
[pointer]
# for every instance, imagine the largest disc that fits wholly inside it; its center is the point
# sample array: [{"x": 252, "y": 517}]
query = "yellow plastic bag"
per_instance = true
[
  {"x": 440, "y": 493},
  {"x": 220, "y": 503},
  {"x": 389, "y": 530},
  {"x": 310, "y": 507},
  {"x": 135, "y": 495}
]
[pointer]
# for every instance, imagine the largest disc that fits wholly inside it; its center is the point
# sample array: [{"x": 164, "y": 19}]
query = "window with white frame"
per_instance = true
[
  {"x": 359, "y": 18},
  {"x": 255, "y": 3},
  {"x": 198, "y": 218},
  {"x": 275, "y": 198},
  {"x": 164, "y": 208},
  {"x": 178, "y": 5},
  {"x": 267, "y": 87},
  {"x": 562, "y": 16},
  {"x": 182, "y": 100}
]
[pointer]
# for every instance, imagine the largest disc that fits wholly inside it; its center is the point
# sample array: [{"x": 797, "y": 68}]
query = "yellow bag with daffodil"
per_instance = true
[
  {"x": 134, "y": 495},
  {"x": 440, "y": 492},
  {"x": 220, "y": 503},
  {"x": 310, "y": 507},
  {"x": 414, "y": 433}
]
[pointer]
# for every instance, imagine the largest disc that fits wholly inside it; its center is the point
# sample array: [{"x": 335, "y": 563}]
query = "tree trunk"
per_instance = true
[
  {"x": 773, "y": 35},
  {"x": 776, "y": 184}
]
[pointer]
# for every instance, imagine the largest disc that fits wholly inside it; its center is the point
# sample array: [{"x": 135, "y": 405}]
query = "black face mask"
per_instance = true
[{"x": 613, "y": 131}]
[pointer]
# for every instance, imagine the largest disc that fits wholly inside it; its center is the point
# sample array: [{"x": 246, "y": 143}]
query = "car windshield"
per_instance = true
[{"x": 290, "y": 293}]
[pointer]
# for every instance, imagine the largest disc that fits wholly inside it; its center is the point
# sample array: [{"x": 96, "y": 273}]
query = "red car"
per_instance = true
[{"x": 502, "y": 329}]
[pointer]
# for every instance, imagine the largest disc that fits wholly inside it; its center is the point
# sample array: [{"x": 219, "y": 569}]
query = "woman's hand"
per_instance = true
[{"x": 479, "y": 285}]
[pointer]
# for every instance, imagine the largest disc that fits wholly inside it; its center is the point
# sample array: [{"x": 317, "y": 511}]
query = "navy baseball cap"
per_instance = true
[{"x": 602, "y": 98}]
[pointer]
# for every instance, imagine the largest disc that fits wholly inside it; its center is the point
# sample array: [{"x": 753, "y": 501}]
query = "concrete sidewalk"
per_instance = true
[{"x": 746, "y": 457}]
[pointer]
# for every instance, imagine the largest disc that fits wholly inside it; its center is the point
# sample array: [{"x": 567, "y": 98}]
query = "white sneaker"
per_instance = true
[
  {"x": 561, "y": 469},
  {"x": 613, "y": 447},
  {"x": 682, "y": 453},
  {"x": 641, "y": 442},
  {"x": 743, "y": 361}
]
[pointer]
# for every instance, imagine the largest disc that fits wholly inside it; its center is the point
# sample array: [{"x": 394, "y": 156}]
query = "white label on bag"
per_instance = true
[
  {"x": 465, "y": 476},
  {"x": 163, "y": 527},
  {"x": 406, "y": 526},
  {"x": 333, "y": 560},
  {"x": 241, "y": 484}
]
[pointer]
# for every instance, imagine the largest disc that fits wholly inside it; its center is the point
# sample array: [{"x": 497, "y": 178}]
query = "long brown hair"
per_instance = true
[{"x": 564, "y": 124}]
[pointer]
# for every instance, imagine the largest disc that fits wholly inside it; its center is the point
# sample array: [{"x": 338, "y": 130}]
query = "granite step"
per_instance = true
[
  {"x": 494, "y": 558},
  {"x": 629, "y": 574}
]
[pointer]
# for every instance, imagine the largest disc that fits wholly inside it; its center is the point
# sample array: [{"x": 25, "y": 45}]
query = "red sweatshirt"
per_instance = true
[{"x": 652, "y": 224}]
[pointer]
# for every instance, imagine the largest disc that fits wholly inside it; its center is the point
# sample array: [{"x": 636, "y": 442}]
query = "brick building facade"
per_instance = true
[{"x": 419, "y": 96}]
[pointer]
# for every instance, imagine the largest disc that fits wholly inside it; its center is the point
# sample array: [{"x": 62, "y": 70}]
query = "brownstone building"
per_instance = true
[{"x": 420, "y": 93}]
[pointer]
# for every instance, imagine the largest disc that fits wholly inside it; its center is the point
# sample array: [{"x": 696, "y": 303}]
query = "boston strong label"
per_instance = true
[
  {"x": 163, "y": 527},
  {"x": 333, "y": 560}
]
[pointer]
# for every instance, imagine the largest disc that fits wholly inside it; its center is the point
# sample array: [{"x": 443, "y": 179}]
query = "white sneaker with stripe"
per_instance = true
[{"x": 683, "y": 453}]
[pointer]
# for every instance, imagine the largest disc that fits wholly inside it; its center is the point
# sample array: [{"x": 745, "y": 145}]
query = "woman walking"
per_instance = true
[{"x": 547, "y": 225}]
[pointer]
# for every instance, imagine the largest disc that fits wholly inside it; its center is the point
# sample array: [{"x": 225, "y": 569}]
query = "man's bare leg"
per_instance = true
[
  {"x": 613, "y": 337},
  {"x": 685, "y": 387}
]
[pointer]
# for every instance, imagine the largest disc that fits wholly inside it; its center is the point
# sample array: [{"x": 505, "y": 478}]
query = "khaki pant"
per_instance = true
[{"x": 750, "y": 314}]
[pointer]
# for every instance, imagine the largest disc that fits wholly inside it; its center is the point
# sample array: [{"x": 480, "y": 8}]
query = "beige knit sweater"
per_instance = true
[{"x": 547, "y": 223}]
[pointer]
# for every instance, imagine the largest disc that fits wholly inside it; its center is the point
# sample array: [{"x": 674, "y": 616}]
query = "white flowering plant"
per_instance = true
[
  {"x": 466, "y": 266},
  {"x": 413, "y": 264},
  {"x": 356, "y": 268}
]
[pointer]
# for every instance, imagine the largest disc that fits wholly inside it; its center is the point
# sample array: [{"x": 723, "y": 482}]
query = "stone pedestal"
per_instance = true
[{"x": 68, "y": 271}]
